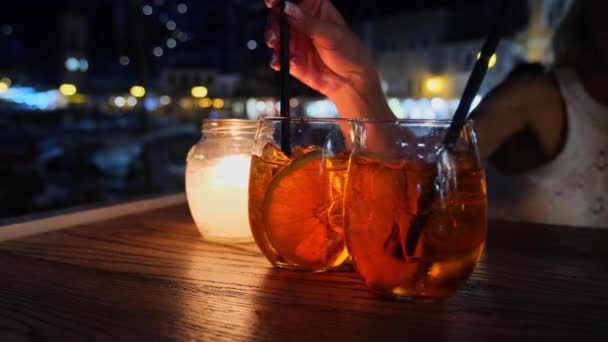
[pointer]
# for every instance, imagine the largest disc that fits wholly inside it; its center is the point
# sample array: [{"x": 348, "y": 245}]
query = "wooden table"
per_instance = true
[{"x": 149, "y": 276}]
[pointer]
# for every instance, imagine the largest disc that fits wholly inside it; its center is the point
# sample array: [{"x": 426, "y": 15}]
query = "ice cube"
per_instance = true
[
  {"x": 299, "y": 151},
  {"x": 273, "y": 154}
]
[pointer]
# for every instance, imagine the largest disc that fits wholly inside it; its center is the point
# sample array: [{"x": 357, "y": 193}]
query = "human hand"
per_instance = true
[{"x": 328, "y": 57}]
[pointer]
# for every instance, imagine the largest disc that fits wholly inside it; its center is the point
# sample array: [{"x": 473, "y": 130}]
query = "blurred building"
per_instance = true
[
  {"x": 441, "y": 70},
  {"x": 545, "y": 16},
  {"x": 176, "y": 80},
  {"x": 421, "y": 55},
  {"x": 430, "y": 53}
]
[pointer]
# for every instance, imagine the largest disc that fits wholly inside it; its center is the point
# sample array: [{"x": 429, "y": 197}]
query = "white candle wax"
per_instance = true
[{"x": 217, "y": 195}]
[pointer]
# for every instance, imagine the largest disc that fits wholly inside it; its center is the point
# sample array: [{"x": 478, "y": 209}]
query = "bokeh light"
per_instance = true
[
  {"x": 68, "y": 89},
  {"x": 120, "y": 101},
  {"x": 147, "y": 10},
  {"x": 182, "y": 8},
  {"x": 137, "y": 91},
  {"x": 164, "y": 100},
  {"x": 205, "y": 103},
  {"x": 199, "y": 91},
  {"x": 218, "y": 103},
  {"x": 252, "y": 44}
]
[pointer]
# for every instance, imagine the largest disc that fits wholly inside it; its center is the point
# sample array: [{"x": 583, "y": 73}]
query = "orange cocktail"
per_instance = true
[
  {"x": 386, "y": 181},
  {"x": 296, "y": 201}
]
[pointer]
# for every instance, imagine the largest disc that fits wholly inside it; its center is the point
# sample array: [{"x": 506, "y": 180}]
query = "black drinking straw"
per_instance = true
[
  {"x": 425, "y": 200},
  {"x": 284, "y": 60}
]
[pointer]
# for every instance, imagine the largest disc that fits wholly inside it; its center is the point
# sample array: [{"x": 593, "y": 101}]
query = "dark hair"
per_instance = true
[
  {"x": 568, "y": 42},
  {"x": 527, "y": 70}
]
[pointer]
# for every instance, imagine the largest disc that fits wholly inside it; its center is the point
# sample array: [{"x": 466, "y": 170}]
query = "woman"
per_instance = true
[{"x": 550, "y": 131}]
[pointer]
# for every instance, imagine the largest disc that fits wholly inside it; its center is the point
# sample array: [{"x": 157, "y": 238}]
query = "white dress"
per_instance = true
[{"x": 573, "y": 188}]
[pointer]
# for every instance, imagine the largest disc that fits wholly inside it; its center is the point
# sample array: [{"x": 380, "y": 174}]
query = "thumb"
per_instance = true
[{"x": 325, "y": 33}]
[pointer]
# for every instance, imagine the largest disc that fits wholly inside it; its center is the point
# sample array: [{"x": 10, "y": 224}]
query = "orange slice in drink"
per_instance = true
[{"x": 297, "y": 210}]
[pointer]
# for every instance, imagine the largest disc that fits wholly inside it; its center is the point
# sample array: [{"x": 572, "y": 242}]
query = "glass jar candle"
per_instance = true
[{"x": 217, "y": 176}]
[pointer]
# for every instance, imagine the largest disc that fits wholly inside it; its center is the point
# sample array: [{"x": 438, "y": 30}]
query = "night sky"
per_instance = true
[{"x": 217, "y": 30}]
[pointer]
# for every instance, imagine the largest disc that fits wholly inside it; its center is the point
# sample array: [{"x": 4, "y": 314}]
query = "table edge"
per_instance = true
[{"x": 62, "y": 221}]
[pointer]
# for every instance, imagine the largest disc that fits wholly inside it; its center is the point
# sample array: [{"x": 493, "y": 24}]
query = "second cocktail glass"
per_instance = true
[{"x": 415, "y": 213}]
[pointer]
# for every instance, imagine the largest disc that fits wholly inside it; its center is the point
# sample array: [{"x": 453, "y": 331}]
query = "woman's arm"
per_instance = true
[
  {"x": 521, "y": 124},
  {"x": 328, "y": 57}
]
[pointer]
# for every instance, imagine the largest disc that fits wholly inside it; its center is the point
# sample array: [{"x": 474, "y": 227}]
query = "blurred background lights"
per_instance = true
[
  {"x": 250, "y": 108},
  {"x": 157, "y": 51},
  {"x": 182, "y": 8},
  {"x": 137, "y": 91},
  {"x": 269, "y": 107},
  {"x": 6, "y": 80},
  {"x": 171, "y": 43},
  {"x": 434, "y": 84},
  {"x": 293, "y": 102},
  {"x": 30, "y": 98},
  {"x": 131, "y": 101},
  {"x": 83, "y": 64},
  {"x": 151, "y": 103},
  {"x": 120, "y": 101},
  {"x": 205, "y": 103},
  {"x": 439, "y": 106},
  {"x": 218, "y": 103},
  {"x": 164, "y": 100},
  {"x": 3, "y": 87},
  {"x": 491, "y": 62},
  {"x": 395, "y": 107},
  {"x": 252, "y": 44},
  {"x": 321, "y": 109},
  {"x": 186, "y": 103},
  {"x": 147, "y": 10},
  {"x": 72, "y": 64},
  {"x": 124, "y": 60},
  {"x": 260, "y": 106},
  {"x": 199, "y": 91},
  {"x": 171, "y": 25},
  {"x": 68, "y": 89},
  {"x": 238, "y": 107},
  {"x": 407, "y": 106}
]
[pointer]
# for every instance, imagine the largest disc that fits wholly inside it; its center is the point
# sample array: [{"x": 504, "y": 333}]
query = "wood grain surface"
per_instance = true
[{"x": 149, "y": 276}]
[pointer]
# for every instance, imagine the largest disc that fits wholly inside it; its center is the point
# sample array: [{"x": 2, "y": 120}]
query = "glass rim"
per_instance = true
[
  {"x": 469, "y": 123},
  {"x": 226, "y": 120},
  {"x": 227, "y": 125},
  {"x": 412, "y": 122},
  {"x": 428, "y": 122},
  {"x": 305, "y": 119}
]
